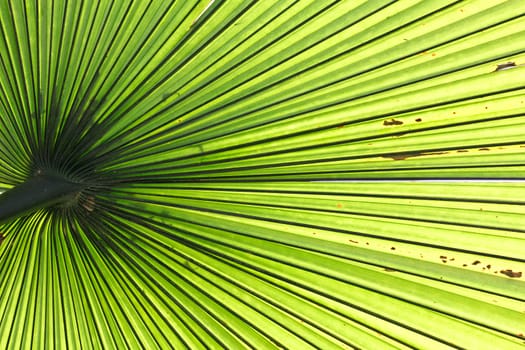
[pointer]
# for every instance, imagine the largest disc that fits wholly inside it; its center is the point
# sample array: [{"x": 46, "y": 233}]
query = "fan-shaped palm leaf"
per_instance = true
[{"x": 262, "y": 174}]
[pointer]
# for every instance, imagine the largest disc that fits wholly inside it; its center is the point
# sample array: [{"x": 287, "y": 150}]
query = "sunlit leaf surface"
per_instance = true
[{"x": 265, "y": 174}]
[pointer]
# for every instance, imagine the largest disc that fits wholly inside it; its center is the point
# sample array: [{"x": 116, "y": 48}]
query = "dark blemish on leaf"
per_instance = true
[
  {"x": 367, "y": 243},
  {"x": 442, "y": 257},
  {"x": 392, "y": 122},
  {"x": 387, "y": 269},
  {"x": 488, "y": 266},
  {"x": 188, "y": 265},
  {"x": 465, "y": 265},
  {"x": 403, "y": 156},
  {"x": 504, "y": 66},
  {"x": 483, "y": 149},
  {"x": 444, "y": 261},
  {"x": 392, "y": 248},
  {"x": 462, "y": 150},
  {"x": 341, "y": 126},
  {"x": 351, "y": 240},
  {"x": 476, "y": 262},
  {"x": 510, "y": 273},
  {"x": 419, "y": 120}
]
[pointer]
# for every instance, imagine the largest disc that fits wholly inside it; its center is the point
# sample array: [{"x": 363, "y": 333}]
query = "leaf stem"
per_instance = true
[{"x": 37, "y": 192}]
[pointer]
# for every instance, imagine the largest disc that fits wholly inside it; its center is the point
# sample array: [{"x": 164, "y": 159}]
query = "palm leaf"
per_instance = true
[{"x": 262, "y": 174}]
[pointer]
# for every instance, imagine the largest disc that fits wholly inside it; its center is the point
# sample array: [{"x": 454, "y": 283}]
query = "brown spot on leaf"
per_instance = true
[
  {"x": 476, "y": 262},
  {"x": 399, "y": 156},
  {"x": 403, "y": 156},
  {"x": 505, "y": 66},
  {"x": 392, "y": 122},
  {"x": 392, "y": 248},
  {"x": 351, "y": 240},
  {"x": 419, "y": 120},
  {"x": 510, "y": 273},
  {"x": 387, "y": 269},
  {"x": 89, "y": 204},
  {"x": 484, "y": 149}
]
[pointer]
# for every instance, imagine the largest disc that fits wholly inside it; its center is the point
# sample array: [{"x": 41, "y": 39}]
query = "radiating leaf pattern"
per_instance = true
[{"x": 265, "y": 174}]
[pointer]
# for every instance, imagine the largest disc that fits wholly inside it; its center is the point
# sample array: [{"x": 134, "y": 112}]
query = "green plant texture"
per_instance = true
[{"x": 277, "y": 174}]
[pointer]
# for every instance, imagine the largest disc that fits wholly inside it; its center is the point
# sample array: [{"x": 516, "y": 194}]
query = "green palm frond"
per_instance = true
[{"x": 262, "y": 174}]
